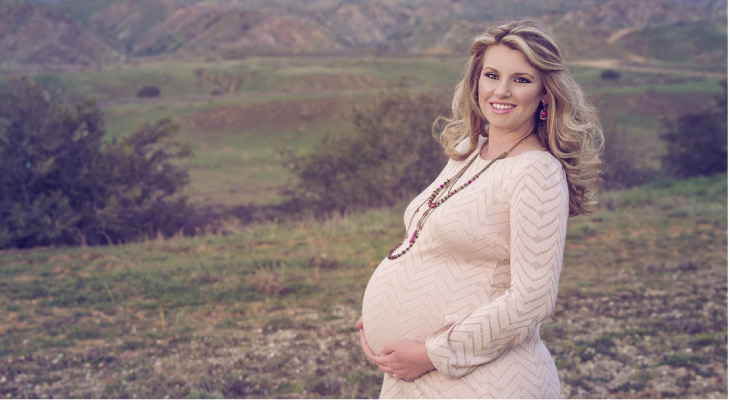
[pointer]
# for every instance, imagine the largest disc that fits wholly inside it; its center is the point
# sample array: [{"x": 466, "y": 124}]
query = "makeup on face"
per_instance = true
[{"x": 509, "y": 90}]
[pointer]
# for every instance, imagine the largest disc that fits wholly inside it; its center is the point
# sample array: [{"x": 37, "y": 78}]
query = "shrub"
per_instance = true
[
  {"x": 390, "y": 155},
  {"x": 621, "y": 161},
  {"x": 61, "y": 184},
  {"x": 148, "y": 91},
  {"x": 138, "y": 183},
  {"x": 610, "y": 74},
  {"x": 697, "y": 143}
]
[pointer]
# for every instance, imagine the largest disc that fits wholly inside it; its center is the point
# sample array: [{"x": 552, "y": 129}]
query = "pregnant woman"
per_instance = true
[{"x": 455, "y": 309}]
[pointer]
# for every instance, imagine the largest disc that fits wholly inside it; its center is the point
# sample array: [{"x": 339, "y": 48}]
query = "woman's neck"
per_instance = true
[{"x": 501, "y": 141}]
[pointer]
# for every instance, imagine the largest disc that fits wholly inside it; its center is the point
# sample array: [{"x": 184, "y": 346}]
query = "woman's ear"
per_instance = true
[{"x": 545, "y": 99}]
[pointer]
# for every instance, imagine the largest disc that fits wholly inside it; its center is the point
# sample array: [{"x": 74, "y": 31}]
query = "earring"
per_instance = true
[{"x": 543, "y": 113}]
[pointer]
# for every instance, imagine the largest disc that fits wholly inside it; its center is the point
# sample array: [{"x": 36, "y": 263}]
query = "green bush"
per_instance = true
[
  {"x": 622, "y": 166},
  {"x": 610, "y": 74},
  {"x": 148, "y": 91},
  {"x": 390, "y": 155},
  {"x": 61, "y": 184},
  {"x": 697, "y": 143}
]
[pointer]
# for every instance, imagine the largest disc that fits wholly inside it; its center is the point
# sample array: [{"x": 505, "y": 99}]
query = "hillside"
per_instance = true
[
  {"x": 101, "y": 30},
  {"x": 37, "y": 35}
]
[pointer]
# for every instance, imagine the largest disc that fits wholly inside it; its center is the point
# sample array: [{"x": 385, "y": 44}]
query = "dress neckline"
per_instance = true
[
  {"x": 480, "y": 159},
  {"x": 482, "y": 142}
]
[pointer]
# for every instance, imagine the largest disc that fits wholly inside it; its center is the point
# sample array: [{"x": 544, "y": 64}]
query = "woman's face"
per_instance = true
[{"x": 509, "y": 90}]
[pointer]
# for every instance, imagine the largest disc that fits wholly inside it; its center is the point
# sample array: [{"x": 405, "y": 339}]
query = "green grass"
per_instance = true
[
  {"x": 639, "y": 221},
  {"x": 122, "y": 119},
  {"x": 246, "y": 167},
  {"x": 192, "y": 272},
  {"x": 123, "y": 82},
  {"x": 256, "y": 75},
  {"x": 299, "y": 275},
  {"x": 703, "y": 86}
]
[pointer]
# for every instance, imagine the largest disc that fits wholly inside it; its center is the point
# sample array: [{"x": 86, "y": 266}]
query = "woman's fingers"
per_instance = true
[
  {"x": 359, "y": 323},
  {"x": 399, "y": 359},
  {"x": 382, "y": 359},
  {"x": 388, "y": 348},
  {"x": 387, "y": 362}
]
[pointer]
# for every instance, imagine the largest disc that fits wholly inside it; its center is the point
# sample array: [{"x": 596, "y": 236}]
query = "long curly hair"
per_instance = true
[{"x": 571, "y": 132}]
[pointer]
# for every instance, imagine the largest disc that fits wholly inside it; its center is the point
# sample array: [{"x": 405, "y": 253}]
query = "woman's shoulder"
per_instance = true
[
  {"x": 539, "y": 162},
  {"x": 540, "y": 156}
]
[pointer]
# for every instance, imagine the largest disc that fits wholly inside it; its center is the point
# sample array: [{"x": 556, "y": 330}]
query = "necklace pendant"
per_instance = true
[{"x": 413, "y": 237}]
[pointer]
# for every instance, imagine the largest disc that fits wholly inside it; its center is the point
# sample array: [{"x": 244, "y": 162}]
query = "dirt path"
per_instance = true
[{"x": 621, "y": 33}]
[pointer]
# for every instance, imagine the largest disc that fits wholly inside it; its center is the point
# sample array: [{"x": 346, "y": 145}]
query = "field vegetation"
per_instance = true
[
  {"x": 232, "y": 308},
  {"x": 268, "y": 310}
]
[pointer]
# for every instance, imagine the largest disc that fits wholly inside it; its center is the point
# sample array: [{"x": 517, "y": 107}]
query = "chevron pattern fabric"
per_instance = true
[{"x": 478, "y": 283}]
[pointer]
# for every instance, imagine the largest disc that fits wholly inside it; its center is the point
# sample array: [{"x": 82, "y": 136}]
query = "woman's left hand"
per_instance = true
[{"x": 404, "y": 359}]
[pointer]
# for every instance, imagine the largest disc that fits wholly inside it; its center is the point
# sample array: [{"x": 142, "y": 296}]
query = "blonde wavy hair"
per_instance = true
[{"x": 571, "y": 132}]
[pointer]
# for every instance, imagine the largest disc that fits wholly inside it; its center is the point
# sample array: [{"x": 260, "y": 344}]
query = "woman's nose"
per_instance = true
[{"x": 503, "y": 90}]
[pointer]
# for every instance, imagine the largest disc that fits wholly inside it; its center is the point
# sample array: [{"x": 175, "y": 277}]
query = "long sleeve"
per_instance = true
[{"x": 538, "y": 210}]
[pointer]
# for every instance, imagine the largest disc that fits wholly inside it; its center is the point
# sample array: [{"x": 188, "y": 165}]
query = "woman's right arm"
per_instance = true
[{"x": 538, "y": 218}]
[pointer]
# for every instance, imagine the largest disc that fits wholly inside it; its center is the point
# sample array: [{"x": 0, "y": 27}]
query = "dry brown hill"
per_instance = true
[
  {"x": 213, "y": 27},
  {"x": 34, "y": 35},
  {"x": 84, "y": 31},
  {"x": 621, "y": 14}
]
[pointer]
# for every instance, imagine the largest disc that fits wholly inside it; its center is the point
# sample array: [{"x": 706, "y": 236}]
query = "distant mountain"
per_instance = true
[
  {"x": 102, "y": 31},
  {"x": 30, "y": 34},
  {"x": 621, "y": 14}
]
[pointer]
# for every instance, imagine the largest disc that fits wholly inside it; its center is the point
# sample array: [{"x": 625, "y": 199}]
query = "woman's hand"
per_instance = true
[{"x": 403, "y": 359}]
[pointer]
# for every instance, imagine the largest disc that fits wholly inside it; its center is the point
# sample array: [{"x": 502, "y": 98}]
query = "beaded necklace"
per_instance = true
[{"x": 443, "y": 193}]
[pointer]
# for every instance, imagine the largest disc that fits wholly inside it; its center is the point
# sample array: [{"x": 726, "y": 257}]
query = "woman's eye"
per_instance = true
[
  {"x": 522, "y": 80},
  {"x": 491, "y": 75}
]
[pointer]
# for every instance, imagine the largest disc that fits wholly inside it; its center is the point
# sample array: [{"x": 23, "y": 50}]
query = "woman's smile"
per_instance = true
[
  {"x": 502, "y": 108},
  {"x": 510, "y": 91}
]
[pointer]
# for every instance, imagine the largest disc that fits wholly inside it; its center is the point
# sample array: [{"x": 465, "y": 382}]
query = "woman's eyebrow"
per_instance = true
[{"x": 515, "y": 74}]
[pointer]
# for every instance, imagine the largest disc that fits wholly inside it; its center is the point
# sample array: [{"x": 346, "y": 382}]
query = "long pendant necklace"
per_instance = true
[{"x": 440, "y": 195}]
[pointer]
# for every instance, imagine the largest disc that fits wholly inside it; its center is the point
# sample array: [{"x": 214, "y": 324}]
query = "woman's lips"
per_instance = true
[{"x": 501, "y": 108}]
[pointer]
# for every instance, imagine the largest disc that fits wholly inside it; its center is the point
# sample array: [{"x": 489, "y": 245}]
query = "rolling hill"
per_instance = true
[{"x": 82, "y": 32}]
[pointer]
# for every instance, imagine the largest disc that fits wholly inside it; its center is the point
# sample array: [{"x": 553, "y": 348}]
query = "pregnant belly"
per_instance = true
[{"x": 400, "y": 304}]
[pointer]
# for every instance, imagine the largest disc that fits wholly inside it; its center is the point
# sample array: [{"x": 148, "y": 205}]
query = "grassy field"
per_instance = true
[
  {"x": 260, "y": 104},
  {"x": 269, "y": 310},
  {"x": 236, "y": 114}
]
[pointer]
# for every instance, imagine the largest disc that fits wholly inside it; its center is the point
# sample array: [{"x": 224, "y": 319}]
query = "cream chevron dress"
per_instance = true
[{"x": 478, "y": 283}]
